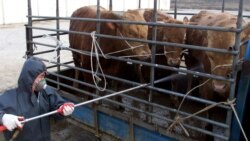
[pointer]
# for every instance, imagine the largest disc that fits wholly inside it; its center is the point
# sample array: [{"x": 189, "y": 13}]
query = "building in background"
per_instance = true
[{"x": 15, "y": 11}]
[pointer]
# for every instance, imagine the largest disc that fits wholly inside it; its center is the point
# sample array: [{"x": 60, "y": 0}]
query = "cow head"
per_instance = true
[
  {"x": 138, "y": 49},
  {"x": 173, "y": 35},
  {"x": 221, "y": 64}
]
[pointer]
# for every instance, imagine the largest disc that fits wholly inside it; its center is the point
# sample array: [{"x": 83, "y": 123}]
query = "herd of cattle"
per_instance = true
[
  {"x": 210, "y": 62},
  {"x": 206, "y": 61}
]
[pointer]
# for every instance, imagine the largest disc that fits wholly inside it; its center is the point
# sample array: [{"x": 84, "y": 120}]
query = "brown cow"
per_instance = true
[
  {"x": 83, "y": 42},
  {"x": 213, "y": 62},
  {"x": 172, "y": 55},
  {"x": 167, "y": 34}
]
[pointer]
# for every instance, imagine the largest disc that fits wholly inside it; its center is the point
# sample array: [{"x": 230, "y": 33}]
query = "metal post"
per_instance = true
[
  {"x": 58, "y": 38},
  {"x": 235, "y": 63},
  {"x": 242, "y": 99},
  {"x": 29, "y": 34},
  {"x": 175, "y": 9},
  {"x": 223, "y": 6},
  {"x": 110, "y": 5},
  {"x": 139, "y": 6},
  {"x": 152, "y": 69},
  {"x": 95, "y": 105}
]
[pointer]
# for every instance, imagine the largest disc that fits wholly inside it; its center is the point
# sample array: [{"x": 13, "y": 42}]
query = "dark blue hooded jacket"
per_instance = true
[{"x": 22, "y": 102}]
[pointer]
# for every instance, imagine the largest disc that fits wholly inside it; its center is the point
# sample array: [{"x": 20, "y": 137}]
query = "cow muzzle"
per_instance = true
[
  {"x": 144, "y": 55},
  {"x": 220, "y": 87},
  {"x": 174, "y": 61}
]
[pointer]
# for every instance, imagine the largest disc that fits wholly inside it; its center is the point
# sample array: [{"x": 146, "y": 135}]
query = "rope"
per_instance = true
[
  {"x": 179, "y": 120},
  {"x": 178, "y": 110},
  {"x": 216, "y": 67},
  {"x": 15, "y": 134},
  {"x": 185, "y": 51},
  {"x": 59, "y": 46},
  {"x": 238, "y": 121},
  {"x": 130, "y": 47},
  {"x": 94, "y": 50},
  {"x": 130, "y": 56}
]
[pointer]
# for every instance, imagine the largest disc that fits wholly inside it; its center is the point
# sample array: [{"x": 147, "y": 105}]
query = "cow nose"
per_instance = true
[
  {"x": 144, "y": 55},
  {"x": 173, "y": 62},
  {"x": 219, "y": 87}
]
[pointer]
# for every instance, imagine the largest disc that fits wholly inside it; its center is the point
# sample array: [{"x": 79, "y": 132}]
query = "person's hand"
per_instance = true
[
  {"x": 11, "y": 121},
  {"x": 66, "y": 109}
]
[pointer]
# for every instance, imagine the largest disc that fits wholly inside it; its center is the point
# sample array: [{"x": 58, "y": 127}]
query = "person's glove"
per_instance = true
[
  {"x": 11, "y": 121},
  {"x": 66, "y": 109}
]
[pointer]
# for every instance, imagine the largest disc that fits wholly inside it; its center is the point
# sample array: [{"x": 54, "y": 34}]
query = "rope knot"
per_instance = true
[
  {"x": 59, "y": 45},
  {"x": 230, "y": 102}
]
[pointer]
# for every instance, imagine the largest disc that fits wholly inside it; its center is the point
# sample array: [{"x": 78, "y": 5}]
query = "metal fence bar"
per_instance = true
[
  {"x": 223, "y": 6},
  {"x": 223, "y": 29},
  {"x": 150, "y": 64},
  {"x": 152, "y": 114},
  {"x": 147, "y": 102},
  {"x": 175, "y": 9},
  {"x": 160, "y": 66},
  {"x": 98, "y": 29},
  {"x": 58, "y": 38},
  {"x": 235, "y": 62},
  {"x": 153, "y": 51},
  {"x": 29, "y": 32},
  {"x": 144, "y": 41},
  {"x": 156, "y": 89}
]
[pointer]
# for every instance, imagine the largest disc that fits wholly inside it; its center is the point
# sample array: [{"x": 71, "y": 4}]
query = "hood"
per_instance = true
[{"x": 31, "y": 69}]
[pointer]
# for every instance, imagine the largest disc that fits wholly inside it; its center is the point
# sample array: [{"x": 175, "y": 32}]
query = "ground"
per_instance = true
[{"x": 12, "y": 50}]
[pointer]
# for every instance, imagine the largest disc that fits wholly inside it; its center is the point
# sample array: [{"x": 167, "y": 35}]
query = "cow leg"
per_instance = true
[
  {"x": 207, "y": 93},
  {"x": 77, "y": 64},
  {"x": 119, "y": 98},
  {"x": 75, "y": 84},
  {"x": 174, "y": 100}
]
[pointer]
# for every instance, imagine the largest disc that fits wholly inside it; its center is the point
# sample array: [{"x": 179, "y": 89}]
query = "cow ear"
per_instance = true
[
  {"x": 112, "y": 26},
  {"x": 246, "y": 33},
  {"x": 185, "y": 20},
  {"x": 111, "y": 15}
]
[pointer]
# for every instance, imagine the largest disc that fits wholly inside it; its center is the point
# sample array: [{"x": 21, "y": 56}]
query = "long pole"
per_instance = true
[{"x": 3, "y": 128}]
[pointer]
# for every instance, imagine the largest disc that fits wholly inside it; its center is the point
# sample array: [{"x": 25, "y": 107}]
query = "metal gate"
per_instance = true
[{"x": 145, "y": 113}]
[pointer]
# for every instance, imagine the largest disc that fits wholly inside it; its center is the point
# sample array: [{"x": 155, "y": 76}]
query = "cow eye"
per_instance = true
[
  {"x": 211, "y": 57},
  {"x": 230, "y": 48},
  {"x": 229, "y": 75}
]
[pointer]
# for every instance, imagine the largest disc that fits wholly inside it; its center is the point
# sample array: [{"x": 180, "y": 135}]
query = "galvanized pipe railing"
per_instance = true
[
  {"x": 147, "y": 64},
  {"x": 134, "y": 83},
  {"x": 223, "y": 29},
  {"x": 144, "y": 41},
  {"x": 201, "y": 130},
  {"x": 235, "y": 63}
]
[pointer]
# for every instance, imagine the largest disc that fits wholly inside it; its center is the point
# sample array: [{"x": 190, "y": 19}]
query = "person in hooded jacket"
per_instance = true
[{"x": 31, "y": 98}]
